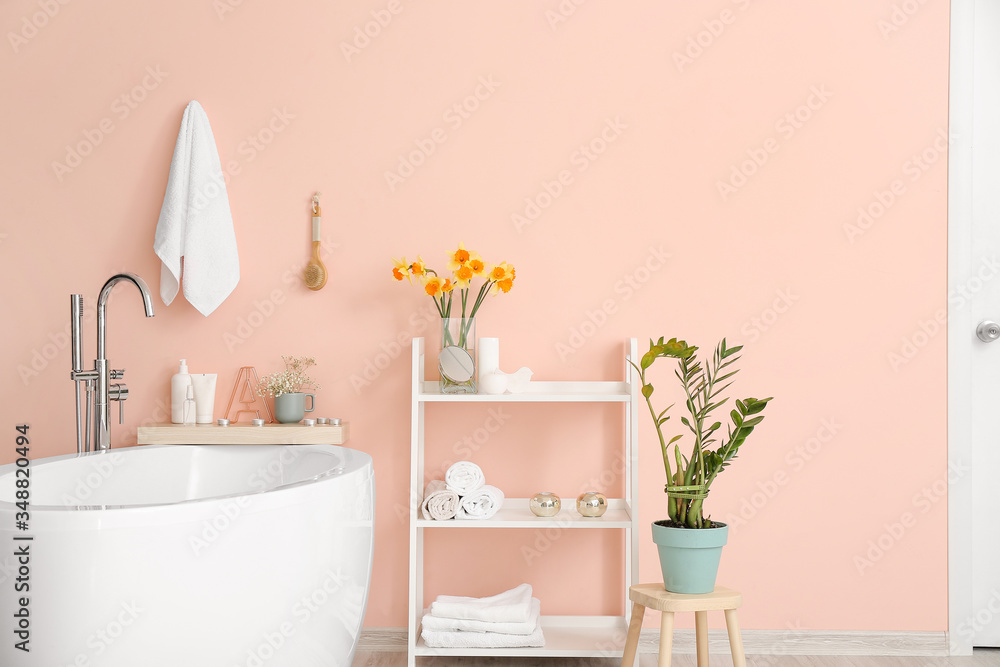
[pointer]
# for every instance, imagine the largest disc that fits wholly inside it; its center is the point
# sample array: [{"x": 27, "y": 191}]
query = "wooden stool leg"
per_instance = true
[
  {"x": 632, "y": 640},
  {"x": 701, "y": 636},
  {"x": 666, "y": 638},
  {"x": 735, "y": 640}
]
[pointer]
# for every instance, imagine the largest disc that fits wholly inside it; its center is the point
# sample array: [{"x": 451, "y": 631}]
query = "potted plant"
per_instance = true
[
  {"x": 689, "y": 543},
  {"x": 286, "y": 386}
]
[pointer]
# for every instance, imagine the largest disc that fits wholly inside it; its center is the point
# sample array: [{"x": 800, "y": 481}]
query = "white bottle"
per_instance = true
[
  {"x": 190, "y": 408},
  {"x": 178, "y": 392}
]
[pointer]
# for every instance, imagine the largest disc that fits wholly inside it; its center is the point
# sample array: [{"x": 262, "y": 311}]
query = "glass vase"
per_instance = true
[{"x": 457, "y": 357}]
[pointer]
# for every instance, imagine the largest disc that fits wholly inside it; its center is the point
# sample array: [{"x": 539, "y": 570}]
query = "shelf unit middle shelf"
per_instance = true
[{"x": 515, "y": 513}]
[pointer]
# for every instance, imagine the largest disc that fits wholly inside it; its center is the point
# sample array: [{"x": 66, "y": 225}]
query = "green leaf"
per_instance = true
[
  {"x": 731, "y": 350},
  {"x": 647, "y": 390},
  {"x": 674, "y": 439}
]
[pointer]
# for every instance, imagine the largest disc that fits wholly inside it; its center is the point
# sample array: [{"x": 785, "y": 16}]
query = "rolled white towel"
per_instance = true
[
  {"x": 464, "y": 477},
  {"x": 440, "y": 503},
  {"x": 513, "y": 606},
  {"x": 439, "y": 639},
  {"x": 437, "y": 624},
  {"x": 482, "y": 503}
]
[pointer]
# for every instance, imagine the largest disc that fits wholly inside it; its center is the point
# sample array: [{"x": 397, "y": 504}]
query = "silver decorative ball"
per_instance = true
[
  {"x": 591, "y": 504},
  {"x": 545, "y": 503}
]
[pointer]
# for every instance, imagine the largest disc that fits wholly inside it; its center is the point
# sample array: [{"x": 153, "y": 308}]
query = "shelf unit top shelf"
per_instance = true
[
  {"x": 538, "y": 392},
  {"x": 515, "y": 513}
]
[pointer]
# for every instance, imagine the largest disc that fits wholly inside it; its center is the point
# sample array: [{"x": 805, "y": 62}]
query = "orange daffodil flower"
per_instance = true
[
  {"x": 435, "y": 287},
  {"x": 418, "y": 268},
  {"x": 458, "y": 258},
  {"x": 502, "y": 276},
  {"x": 465, "y": 265},
  {"x": 401, "y": 270}
]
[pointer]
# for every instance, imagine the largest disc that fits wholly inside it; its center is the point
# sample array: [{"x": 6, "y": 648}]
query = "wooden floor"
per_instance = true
[{"x": 981, "y": 658}]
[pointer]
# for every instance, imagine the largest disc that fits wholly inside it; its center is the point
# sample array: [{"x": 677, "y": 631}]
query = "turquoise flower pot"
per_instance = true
[{"x": 689, "y": 558}]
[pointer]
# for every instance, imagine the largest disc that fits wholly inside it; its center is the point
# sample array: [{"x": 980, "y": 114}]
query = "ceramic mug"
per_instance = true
[{"x": 291, "y": 408}]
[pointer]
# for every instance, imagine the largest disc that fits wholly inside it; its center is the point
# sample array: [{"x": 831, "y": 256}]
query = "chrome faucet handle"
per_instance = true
[
  {"x": 119, "y": 392},
  {"x": 117, "y": 375}
]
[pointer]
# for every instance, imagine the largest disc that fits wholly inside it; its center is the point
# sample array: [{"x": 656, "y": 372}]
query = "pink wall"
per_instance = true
[{"x": 842, "y": 103}]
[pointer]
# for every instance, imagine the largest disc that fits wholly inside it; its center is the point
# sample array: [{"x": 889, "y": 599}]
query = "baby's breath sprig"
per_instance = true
[{"x": 292, "y": 379}]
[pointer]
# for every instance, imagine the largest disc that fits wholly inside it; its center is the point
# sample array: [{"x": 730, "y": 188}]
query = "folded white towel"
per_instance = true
[
  {"x": 482, "y": 503},
  {"x": 440, "y": 639},
  {"x": 195, "y": 221},
  {"x": 464, "y": 477},
  {"x": 440, "y": 503},
  {"x": 513, "y": 606},
  {"x": 432, "y": 622}
]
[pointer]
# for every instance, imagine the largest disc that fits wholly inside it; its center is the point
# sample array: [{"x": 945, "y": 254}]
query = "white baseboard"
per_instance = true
[{"x": 755, "y": 642}]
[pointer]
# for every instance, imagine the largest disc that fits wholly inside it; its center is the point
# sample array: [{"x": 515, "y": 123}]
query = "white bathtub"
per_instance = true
[{"x": 214, "y": 556}]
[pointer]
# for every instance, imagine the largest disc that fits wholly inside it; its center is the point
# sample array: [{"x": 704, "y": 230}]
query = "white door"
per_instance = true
[{"x": 973, "y": 300}]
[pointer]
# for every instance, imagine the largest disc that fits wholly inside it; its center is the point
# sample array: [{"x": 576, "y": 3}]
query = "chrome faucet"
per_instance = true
[{"x": 100, "y": 390}]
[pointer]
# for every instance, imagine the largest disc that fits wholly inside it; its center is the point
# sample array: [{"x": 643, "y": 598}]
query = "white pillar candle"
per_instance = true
[{"x": 489, "y": 356}]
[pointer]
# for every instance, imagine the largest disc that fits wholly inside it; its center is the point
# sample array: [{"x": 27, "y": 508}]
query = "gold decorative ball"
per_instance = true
[{"x": 591, "y": 504}]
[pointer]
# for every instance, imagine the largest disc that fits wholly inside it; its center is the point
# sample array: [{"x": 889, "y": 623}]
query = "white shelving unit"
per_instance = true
[{"x": 565, "y": 636}]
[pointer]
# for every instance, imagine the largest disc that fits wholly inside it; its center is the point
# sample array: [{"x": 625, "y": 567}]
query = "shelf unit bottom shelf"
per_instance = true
[{"x": 565, "y": 637}]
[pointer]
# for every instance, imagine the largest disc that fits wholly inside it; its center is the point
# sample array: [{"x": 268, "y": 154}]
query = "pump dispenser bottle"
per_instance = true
[
  {"x": 178, "y": 393},
  {"x": 189, "y": 410}
]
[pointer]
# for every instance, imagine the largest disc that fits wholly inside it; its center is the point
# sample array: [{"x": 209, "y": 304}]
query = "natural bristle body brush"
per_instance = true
[{"x": 315, "y": 273}]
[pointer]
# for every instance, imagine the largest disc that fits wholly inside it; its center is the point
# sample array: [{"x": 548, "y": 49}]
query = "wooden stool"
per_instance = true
[{"x": 654, "y": 597}]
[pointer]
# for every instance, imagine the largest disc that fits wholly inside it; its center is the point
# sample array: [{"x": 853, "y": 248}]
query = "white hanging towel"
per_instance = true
[{"x": 195, "y": 221}]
